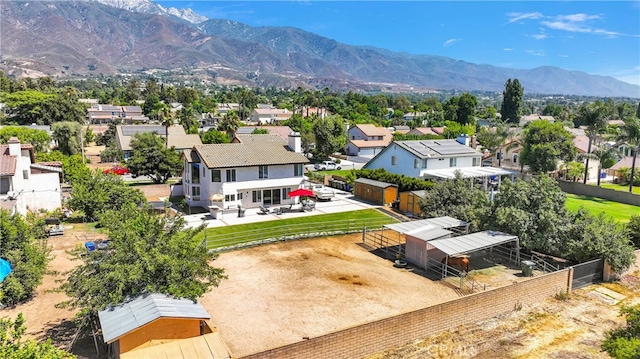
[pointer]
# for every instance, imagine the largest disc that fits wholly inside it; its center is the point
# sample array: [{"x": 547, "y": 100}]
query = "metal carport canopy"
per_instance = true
[
  {"x": 472, "y": 242},
  {"x": 426, "y": 224},
  {"x": 466, "y": 172}
]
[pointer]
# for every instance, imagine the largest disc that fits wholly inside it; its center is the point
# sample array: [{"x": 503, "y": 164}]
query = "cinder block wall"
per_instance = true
[
  {"x": 595, "y": 191},
  {"x": 377, "y": 336}
]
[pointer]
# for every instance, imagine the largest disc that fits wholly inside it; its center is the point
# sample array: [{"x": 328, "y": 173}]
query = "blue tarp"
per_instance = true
[{"x": 5, "y": 269}]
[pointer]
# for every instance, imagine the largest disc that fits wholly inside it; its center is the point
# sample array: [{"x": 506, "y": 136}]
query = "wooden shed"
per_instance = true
[
  {"x": 151, "y": 319},
  {"x": 376, "y": 192},
  {"x": 409, "y": 202}
]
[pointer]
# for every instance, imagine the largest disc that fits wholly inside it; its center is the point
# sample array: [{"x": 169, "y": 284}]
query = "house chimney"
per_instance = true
[
  {"x": 295, "y": 142},
  {"x": 463, "y": 139},
  {"x": 14, "y": 147},
  {"x": 474, "y": 142}
]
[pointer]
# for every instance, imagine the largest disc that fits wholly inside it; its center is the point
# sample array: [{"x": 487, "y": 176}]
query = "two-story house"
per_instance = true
[
  {"x": 99, "y": 113},
  {"x": 24, "y": 184},
  {"x": 178, "y": 138},
  {"x": 367, "y": 140},
  {"x": 270, "y": 115},
  {"x": 252, "y": 171},
  {"x": 416, "y": 158}
]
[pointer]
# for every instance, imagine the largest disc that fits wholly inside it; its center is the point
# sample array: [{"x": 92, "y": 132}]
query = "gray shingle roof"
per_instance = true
[
  {"x": 253, "y": 150},
  {"x": 124, "y": 318},
  {"x": 437, "y": 148}
]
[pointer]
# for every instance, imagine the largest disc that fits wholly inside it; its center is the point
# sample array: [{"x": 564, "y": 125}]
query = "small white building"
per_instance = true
[
  {"x": 264, "y": 116},
  {"x": 26, "y": 185}
]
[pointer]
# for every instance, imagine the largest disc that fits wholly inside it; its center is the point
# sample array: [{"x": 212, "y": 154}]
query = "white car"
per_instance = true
[{"x": 327, "y": 166}]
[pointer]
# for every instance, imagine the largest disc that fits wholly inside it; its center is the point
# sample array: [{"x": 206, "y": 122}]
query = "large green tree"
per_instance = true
[
  {"x": 511, "y": 108},
  {"x": 330, "y": 135},
  {"x": 99, "y": 192},
  {"x": 456, "y": 198},
  {"x": 147, "y": 254},
  {"x": 73, "y": 168},
  {"x": 544, "y": 144},
  {"x": 67, "y": 137},
  {"x": 27, "y": 255},
  {"x": 12, "y": 346},
  {"x": 151, "y": 158},
  {"x": 40, "y": 139},
  {"x": 214, "y": 136}
]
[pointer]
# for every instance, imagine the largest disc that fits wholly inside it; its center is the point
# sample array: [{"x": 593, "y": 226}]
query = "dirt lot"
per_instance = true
[
  {"x": 279, "y": 294},
  {"x": 562, "y": 328}
]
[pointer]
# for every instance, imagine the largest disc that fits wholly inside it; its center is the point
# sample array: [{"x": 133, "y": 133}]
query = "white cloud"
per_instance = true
[
  {"x": 507, "y": 49},
  {"x": 535, "y": 52},
  {"x": 577, "y": 23},
  {"x": 517, "y": 16},
  {"x": 540, "y": 36},
  {"x": 450, "y": 42},
  {"x": 561, "y": 55}
]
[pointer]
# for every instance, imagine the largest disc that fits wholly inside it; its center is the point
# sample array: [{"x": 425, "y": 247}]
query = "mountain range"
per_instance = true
[{"x": 84, "y": 38}]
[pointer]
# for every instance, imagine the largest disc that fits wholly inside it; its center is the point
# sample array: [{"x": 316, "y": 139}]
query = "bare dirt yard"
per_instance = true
[
  {"x": 570, "y": 327},
  {"x": 281, "y": 293},
  {"x": 43, "y": 319}
]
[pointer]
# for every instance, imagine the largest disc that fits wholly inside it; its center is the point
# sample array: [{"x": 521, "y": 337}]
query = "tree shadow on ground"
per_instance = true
[{"x": 65, "y": 335}]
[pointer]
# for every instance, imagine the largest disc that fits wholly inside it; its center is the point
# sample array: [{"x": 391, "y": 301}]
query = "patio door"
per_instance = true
[
  {"x": 275, "y": 196},
  {"x": 266, "y": 197}
]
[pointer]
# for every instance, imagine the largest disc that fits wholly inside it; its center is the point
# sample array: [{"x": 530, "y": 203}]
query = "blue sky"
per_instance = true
[{"x": 597, "y": 37}]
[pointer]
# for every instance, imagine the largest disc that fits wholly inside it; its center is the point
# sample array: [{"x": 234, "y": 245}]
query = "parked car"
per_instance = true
[
  {"x": 321, "y": 192},
  {"x": 117, "y": 170},
  {"x": 327, "y": 166}
]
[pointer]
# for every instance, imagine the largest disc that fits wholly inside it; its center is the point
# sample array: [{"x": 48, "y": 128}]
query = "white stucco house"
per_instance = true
[
  {"x": 416, "y": 158},
  {"x": 367, "y": 140},
  {"x": 25, "y": 185},
  {"x": 264, "y": 116},
  {"x": 251, "y": 171}
]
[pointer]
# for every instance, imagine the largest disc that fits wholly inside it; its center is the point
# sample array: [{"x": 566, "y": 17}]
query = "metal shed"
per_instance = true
[{"x": 152, "y": 317}]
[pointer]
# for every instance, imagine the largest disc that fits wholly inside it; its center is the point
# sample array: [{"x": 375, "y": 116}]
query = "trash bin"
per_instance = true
[
  {"x": 241, "y": 212},
  {"x": 527, "y": 268},
  {"x": 213, "y": 211}
]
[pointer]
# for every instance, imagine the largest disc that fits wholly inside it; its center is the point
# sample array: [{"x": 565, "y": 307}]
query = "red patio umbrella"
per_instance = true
[{"x": 301, "y": 192}]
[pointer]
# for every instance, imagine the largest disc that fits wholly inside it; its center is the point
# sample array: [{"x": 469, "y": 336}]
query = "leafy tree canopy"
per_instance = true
[
  {"x": 147, "y": 253},
  {"x": 456, "y": 198},
  {"x": 151, "y": 158},
  {"x": 27, "y": 257},
  {"x": 38, "y": 138},
  {"x": 330, "y": 135},
  {"x": 67, "y": 136},
  {"x": 544, "y": 144},
  {"x": 512, "y": 101},
  {"x": 624, "y": 343},
  {"x": 13, "y": 347},
  {"x": 214, "y": 136},
  {"x": 74, "y": 169},
  {"x": 99, "y": 193}
]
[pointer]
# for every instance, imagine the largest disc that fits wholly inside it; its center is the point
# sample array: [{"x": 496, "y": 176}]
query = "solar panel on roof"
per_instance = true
[{"x": 132, "y": 130}]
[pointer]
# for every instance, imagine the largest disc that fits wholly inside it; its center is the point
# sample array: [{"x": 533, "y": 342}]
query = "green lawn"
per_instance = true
[
  {"x": 618, "y": 187},
  {"x": 619, "y": 211},
  {"x": 342, "y": 173},
  {"x": 344, "y": 221}
]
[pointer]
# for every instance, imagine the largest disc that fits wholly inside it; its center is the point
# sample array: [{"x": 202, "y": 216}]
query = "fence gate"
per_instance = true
[{"x": 587, "y": 273}]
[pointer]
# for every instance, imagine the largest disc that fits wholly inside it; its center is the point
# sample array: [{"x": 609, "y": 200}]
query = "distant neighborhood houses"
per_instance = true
[
  {"x": 178, "y": 138},
  {"x": 102, "y": 113},
  {"x": 367, "y": 140}
]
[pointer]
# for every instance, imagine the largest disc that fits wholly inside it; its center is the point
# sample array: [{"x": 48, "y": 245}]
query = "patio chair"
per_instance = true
[{"x": 264, "y": 210}]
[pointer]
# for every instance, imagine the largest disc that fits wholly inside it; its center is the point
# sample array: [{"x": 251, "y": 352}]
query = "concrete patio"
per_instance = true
[{"x": 343, "y": 202}]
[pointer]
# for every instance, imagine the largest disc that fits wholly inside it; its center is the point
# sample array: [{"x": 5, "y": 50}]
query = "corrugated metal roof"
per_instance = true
[
  {"x": 472, "y": 242},
  {"x": 425, "y": 224},
  {"x": 375, "y": 183},
  {"x": 429, "y": 234},
  {"x": 253, "y": 150},
  {"x": 122, "y": 319}
]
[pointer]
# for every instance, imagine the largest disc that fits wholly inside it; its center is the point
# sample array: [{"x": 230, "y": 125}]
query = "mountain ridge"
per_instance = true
[{"x": 92, "y": 38}]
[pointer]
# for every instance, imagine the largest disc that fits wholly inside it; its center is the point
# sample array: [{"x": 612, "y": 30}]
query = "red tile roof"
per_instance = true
[{"x": 7, "y": 165}]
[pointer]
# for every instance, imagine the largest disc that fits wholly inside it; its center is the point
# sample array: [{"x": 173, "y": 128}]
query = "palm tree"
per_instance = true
[
  {"x": 630, "y": 134},
  {"x": 166, "y": 118},
  {"x": 230, "y": 123},
  {"x": 595, "y": 120},
  {"x": 603, "y": 155}
]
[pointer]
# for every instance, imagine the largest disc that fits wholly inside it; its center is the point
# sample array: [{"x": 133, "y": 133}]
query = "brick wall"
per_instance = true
[
  {"x": 376, "y": 336},
  {"x": 595, "y": 191}
]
